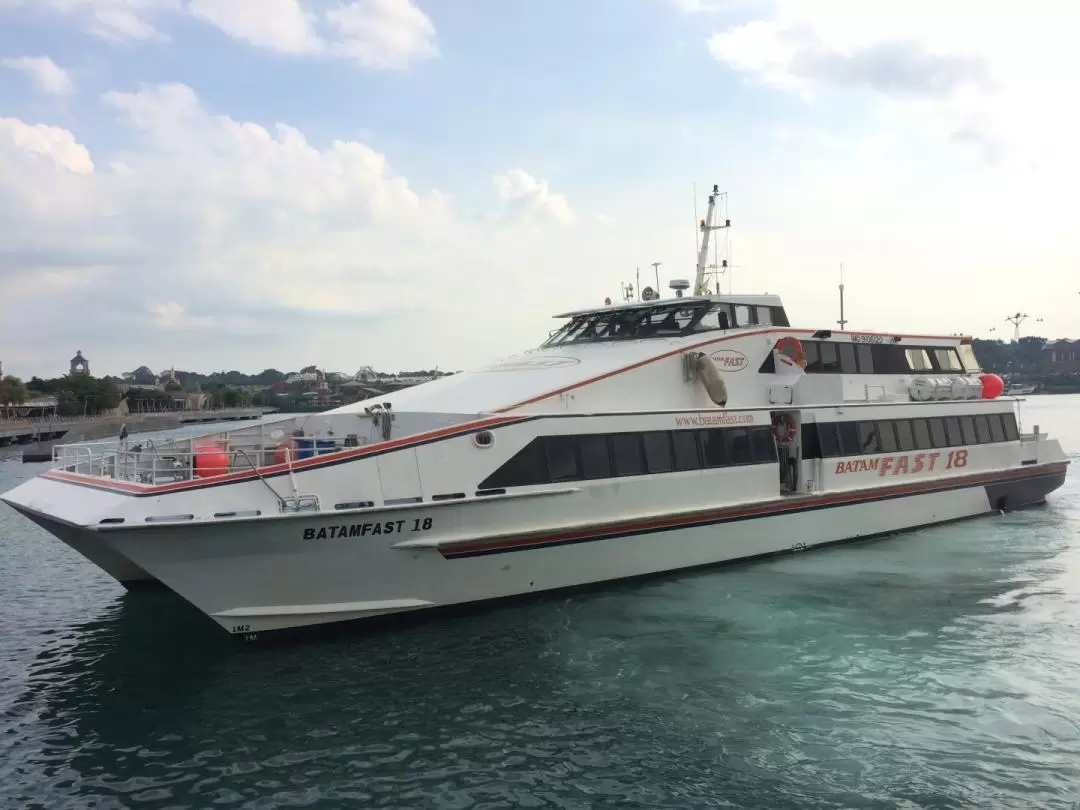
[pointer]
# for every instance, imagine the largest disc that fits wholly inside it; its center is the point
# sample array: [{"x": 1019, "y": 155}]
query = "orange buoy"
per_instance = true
[
  {"x": 210, "y": 461},
  {"x": 992, "y": 386}
]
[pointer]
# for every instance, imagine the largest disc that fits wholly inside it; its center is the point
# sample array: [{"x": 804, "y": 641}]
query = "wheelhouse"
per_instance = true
[{"x": 667, "y": 319}]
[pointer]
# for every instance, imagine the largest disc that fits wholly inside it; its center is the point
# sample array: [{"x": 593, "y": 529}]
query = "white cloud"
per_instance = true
[
  {"x": 43, "y": 71},
  {"x": 532, "y": 197},
  {"x": 253, "y": 242},
  {"x": 278, "y": 25},
  {"x": 378, "y": 34},
  {"x": 54, "y": 144},
  {"x": 383, "y": 33}
]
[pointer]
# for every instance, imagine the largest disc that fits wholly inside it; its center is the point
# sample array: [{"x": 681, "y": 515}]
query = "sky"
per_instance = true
[{"x": 405, "y": 184}]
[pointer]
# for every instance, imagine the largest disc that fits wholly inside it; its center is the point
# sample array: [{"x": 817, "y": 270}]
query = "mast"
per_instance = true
[
  {"x": 707, "y": 227},
  {"x": 843, "y": 320}
]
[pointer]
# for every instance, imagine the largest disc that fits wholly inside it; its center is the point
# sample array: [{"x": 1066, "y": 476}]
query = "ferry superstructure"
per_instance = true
[{"x": 639, "y": 438}]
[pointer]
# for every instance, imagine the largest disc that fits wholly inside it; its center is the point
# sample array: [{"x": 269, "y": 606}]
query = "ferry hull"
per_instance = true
[{"x": 255, "y": 578}]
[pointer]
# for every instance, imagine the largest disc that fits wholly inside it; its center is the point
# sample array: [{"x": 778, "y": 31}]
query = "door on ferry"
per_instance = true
[{"x": 785, "y": 426}]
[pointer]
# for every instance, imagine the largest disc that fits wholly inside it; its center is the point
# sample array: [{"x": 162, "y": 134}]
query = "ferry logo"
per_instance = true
[
  {"x": 729, "y": 360},
  {"x": 533, "y": 364}
]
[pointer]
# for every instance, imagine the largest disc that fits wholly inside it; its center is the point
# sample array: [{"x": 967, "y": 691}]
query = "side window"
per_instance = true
[
  {"x": 658, "y": 456},
  {"x": 937, "y": 432},
  {"x": 1011, "y": 433},
  {"x": 830, "y": 360},
  {"x": 956, "y": 435},
  {"x": 811, "y": 444},
  {"x": 712, "y": 447},
  {"x": 947, "y": 360},
  {"x": 595, "y": 461},
  {"x": 889, "y": 359},
  {"x": 847, "y": 358},
  {"x": 762, "y": 445},
  {"x": 982, "y": 428},
  {"x": 687, "y": 452},
  {"x": 779, "y": 317},
  {"x": 562, "y": 458},
  {"x": 849, "y": 439},
  {"x": 865, "y": 355},
  {"x": 905, "y": 439},
  {"x": 967, "y": 429},
  {"x": 997, "y": 432},
  {"x": 869, "y": 440},
  {"x": 888, "y": 436},
  {"x": 922, "y": 434},
  {"x": 829, "y": 438},
  {"x": 737, "y": 446},
  {"x": 627, "y": 453},
  {"x": 813, "y": 356},
  {"x": 764, "y": 316},
  {"x": 918, "y": 360},
  {"x": 744, "y": 315},
  {"x": 526, "y": 467}
]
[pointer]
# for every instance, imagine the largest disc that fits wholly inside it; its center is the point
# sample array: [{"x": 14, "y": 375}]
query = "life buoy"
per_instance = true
[
  {"x": 784, "y": 429},
  {"x": 790, "y": 351}
]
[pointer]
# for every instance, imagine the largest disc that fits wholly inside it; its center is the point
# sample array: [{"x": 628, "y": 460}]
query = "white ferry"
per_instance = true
[{"x": 642, "y": 437}]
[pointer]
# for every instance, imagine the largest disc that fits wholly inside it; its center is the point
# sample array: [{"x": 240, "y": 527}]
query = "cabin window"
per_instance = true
[
  {"x": 847, "y": 358},
  {"x": 811, "y": 443},
  {"x": 1009, "y": 422},
  {"x": 888, "y": 436},
  {"x": 997, "y": 432},
  {"x": 829, "y": 439},
  {"x": 626, "y": 450},
  {"x": 918, "y": 360},
  {"x": 956, "y": 435},
  {"x": 687, "y": 454},
  {"x": 744, "y": 315},
  {"x": 947, "y": 360},
  {"x": 982, "y": 428},
  {"x": 763, "y": 445},
  {"x": 937, "y": 432},
  {"x": 712, "y": 448},
  {"x": 830, "y": 360},
  {"x": 811, "y": 348},
  {"x": 967, "y": 430},
  {"x": 562, "y": 461},
  {"x": 737, "y": 446},
  {"x": 889, "y": 359},
  {"x": 658, "y": 457},
  {"x": 869, "y": 440},
  {"x": 905, "y": 438},
  {"x": 865, "y": 356},
  {"x": 595, "y": 460},
  {"x": 922, "y": 434},
  {"x": 966, "y": 353},
  {"x": 849, "y": 438},
  {"x": 718, "y": 317},
  {"x": 779, "y": 317},
  {"x": 763, "y": 316}
]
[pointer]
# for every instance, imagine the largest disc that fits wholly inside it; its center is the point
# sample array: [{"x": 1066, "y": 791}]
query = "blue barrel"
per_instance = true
[
  {"x": 305, "y": 448},
  {"x": 324, "y": 446}
]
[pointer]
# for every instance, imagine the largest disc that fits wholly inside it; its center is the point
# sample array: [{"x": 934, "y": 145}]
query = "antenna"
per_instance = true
[
  {"x": 637, "y": 278},
  {"x": 656, "y": 270},
  {"x": 706, "y": 226},
  {"x": 843, "y": 320}
]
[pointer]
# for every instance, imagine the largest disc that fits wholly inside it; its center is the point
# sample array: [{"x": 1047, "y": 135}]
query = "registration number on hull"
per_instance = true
[{"x": 371, "y": 529}]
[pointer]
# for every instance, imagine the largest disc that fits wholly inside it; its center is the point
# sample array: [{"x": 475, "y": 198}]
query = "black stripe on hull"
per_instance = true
[{"x": 1013, "y": 493}]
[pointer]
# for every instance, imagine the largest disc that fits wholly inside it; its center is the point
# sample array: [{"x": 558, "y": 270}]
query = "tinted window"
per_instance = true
[
  {"x": 626, "y": 453},
  {"x": 889, "y": 359},
  {"x": 829, "y": 438},
  {"x": 888, "y": 436},
  {"x": 658, "y": 457},
  {"x": 905, "y": 439},
  {"x": 1011, "y": 433},
  {"x": 937, "y": 432},
  {"x": 811, "y": 445},
  {"x": 762, "y": 445},
  {"x": 952, "y": 425},
  {"x": 595, "y": 462},
  {"x": 737, "y": 446},
  {"x": 813, "y": 356},
  {"x": 982, "y": 428},
  {"x": 947, "y": 360},
  {"x": 779, "y": 317},
  {"x": 918, "y": 360},
  {"x": 997, "y": 432},
  {"x": 764, "y": 315},
  {"x": 686, "y": 450},
  {"x": 847, "y": 358},
  {"x": 865, "y": 355},
  {"x": 527, "y": 466},
  {"x": 562, "y": 458},
  {"x": 712, "y": 448},
  {"x": 922, "y": 434},
  {"x": 869, "y": 441},
  {"x": 744, "y": 315},
  {"x": 830, "y": 360},
  {"x": 967, "y": 429},
  {"x": 849, "y": 439}
]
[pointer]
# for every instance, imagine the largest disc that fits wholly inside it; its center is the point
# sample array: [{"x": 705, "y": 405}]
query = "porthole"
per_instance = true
[{"x": 485, "y": 438}]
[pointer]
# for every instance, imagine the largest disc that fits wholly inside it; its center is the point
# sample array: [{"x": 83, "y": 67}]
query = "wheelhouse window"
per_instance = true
[{"x": 918, "y": 360}]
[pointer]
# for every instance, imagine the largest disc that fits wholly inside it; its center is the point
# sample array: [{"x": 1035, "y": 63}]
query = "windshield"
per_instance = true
[{"x": 663, "y": 320}]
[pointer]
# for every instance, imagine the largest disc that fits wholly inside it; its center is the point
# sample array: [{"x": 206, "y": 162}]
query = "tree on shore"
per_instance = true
[{"x": 12, "y": 390}]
